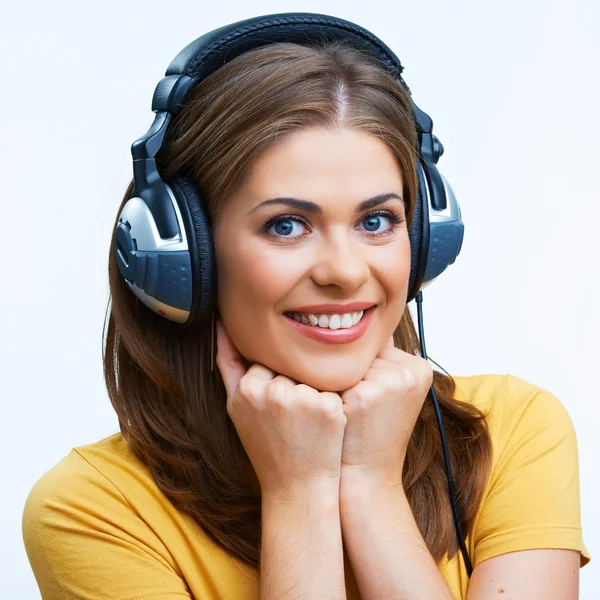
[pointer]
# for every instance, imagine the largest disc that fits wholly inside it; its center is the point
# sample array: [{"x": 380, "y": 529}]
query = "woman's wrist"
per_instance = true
[
  {"x": 326, "y": 491},
  {"x": 301, "y": 545}
]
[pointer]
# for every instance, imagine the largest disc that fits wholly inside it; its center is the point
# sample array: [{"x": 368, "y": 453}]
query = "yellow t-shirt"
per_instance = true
[{"x": 96, "y": 526}]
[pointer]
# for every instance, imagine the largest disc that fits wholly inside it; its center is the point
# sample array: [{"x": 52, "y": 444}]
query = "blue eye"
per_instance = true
[
  {"x": 285, "y": 226},
  {"x": 375, "y": 223}
]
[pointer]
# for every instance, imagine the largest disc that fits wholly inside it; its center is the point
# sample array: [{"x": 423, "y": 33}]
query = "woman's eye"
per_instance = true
[
  {"x": 285, "y": 227},
  {"x": 380, "y": 223}
]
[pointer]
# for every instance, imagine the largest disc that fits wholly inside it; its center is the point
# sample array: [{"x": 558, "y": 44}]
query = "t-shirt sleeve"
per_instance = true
[
  {"x": 533, "y": 498},
  {"x": 85, "y": 542}
]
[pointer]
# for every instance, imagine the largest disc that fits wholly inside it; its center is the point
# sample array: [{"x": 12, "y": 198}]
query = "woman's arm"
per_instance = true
[
  {"x": 540, "y": 574},
  {"x": 386, "y": 549},
  {"x": 301, "y": 550}
]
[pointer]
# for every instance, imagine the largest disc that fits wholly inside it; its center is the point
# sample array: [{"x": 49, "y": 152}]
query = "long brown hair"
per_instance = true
[{"x": 171, "y": 407}]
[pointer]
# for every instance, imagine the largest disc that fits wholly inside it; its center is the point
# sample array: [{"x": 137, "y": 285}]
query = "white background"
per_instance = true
[{"x": 512, "y": 88}]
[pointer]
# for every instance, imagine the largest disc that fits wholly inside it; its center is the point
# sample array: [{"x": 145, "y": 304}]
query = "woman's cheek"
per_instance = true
[
  {"x": 254, "y": 289},
  {"x": 393, "y": 267}
]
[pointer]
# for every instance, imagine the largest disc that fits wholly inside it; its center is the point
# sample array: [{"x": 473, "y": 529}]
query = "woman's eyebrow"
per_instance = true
[{"x": 312, "y": 207}]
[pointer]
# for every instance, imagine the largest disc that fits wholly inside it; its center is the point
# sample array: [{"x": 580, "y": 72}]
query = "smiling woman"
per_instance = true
[
  {"x": 338, "y": 249},
  {"x": 308, "y": 464}
]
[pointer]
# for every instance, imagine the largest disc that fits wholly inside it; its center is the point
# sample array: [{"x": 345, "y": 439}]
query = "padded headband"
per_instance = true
[{"x": 214, "y": 49}]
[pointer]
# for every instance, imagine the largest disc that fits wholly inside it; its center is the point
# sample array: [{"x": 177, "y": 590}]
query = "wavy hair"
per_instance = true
[{"x": 170, "y": 405}]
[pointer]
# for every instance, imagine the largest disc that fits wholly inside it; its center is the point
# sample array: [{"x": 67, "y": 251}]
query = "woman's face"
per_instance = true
[{"x": 318, "y": 226}]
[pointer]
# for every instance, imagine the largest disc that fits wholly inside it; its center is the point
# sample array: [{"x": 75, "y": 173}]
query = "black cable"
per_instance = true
[{"x": 459, "y": 533}]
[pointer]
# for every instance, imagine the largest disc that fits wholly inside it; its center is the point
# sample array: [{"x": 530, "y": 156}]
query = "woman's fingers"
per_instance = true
[
  {"x": 231, "y": 363},
  {"x": 229, "y": 360}
]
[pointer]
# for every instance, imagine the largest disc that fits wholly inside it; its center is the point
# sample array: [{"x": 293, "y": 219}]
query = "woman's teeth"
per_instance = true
[{"x": 344, "y": 321}]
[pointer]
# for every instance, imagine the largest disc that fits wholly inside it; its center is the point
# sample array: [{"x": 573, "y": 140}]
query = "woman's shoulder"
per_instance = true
[
  {"x": 99, "y": 506},
  {"x": 532, "y": 494},
  {"x": 98, "y": 476},
  {"x": 93, "y": 487},
  {"x": 84, "y": 465},
  {"x": 510, "y": 401}
]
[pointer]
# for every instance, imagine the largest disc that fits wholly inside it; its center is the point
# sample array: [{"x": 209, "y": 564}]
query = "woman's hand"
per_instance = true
[
  {"x": 381, "y": 412},
  {"x": 291, "y": 432}
]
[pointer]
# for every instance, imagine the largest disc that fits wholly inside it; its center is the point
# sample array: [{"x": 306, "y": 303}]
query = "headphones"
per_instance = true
[{"x": 163, "y": 241}]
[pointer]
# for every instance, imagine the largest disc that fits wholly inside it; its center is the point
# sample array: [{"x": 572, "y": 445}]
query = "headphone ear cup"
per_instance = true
[
  {"x": 201, "y": 247},
  {"x": 419, "y": 236}
]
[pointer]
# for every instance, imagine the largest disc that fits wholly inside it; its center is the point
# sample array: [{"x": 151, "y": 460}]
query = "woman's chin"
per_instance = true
[
  {"x": 338, "y": 386},
  {"x": 324, "y": 380},
  {"x": 325, "y": 373}
]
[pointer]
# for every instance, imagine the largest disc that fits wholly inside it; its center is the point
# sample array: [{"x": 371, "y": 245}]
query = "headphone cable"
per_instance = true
[{"x": 459, "y": 533}]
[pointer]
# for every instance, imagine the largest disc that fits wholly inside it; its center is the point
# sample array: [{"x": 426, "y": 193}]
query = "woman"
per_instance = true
[{"x": 300, "y": 457}]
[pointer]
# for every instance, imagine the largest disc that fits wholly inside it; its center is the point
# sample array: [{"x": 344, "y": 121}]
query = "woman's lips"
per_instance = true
[{"x": 335, "y": 336}]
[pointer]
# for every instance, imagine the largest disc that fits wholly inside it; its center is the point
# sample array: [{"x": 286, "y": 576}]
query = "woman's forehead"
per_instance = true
[{"x": 323, "y": 167}]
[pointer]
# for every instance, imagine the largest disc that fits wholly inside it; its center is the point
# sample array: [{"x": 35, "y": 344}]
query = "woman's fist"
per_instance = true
[{"x": 292, "y": 433}]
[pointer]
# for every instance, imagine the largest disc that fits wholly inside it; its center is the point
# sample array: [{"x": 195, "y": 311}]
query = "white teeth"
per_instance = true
[
  {"x": 334, "y": 322},
  {"x": 347, "y": 321},
  {"x": 342, "y": 321}
]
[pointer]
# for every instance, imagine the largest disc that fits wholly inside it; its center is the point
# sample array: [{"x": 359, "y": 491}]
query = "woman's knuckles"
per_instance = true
[
  {"x": 363, "y": 394},
  {"x": 282, "y": 398},
  {"x": 251, "y": 387},
  {"x": 331, "y": 404},
  {"x": 305, "y": 397},
  {"x": 261, "y": 372},
  {"x": 276, "y": 394},
  {"x": 390, "y": 380}
]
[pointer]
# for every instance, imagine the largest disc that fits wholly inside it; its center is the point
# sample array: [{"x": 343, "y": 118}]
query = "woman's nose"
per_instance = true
[{"x": 341, "y": 261}]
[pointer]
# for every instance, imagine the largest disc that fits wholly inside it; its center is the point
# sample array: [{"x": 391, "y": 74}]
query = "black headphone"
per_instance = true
[{"x": 163, "y": 240}]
